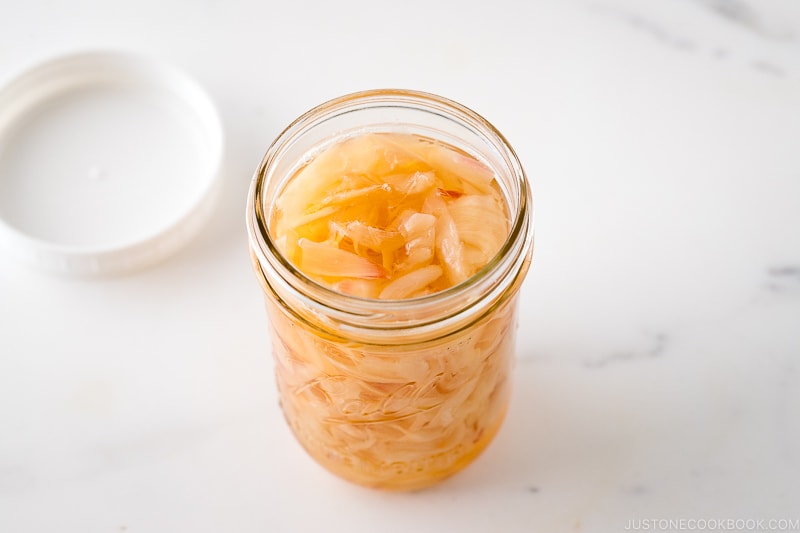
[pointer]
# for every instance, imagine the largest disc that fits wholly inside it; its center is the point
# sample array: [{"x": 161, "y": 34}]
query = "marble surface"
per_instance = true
[{"x": 658, "y": 373}]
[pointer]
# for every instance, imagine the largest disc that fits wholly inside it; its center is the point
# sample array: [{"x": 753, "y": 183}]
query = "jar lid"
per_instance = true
[{"x": 108, "y": 163}]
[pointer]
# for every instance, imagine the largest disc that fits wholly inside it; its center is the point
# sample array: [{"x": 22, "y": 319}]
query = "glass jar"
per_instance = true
[{"x": 394, "y": 394}]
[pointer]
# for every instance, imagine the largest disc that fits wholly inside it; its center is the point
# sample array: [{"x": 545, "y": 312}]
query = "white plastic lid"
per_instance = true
[{"x": 108, "y": 162}]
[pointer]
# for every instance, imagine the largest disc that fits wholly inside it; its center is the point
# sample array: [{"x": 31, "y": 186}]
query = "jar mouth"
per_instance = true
[{"x": 514, "y": 253}]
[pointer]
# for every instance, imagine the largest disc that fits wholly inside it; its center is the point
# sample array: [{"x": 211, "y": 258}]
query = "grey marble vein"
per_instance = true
[
  {"x": 744, "y": 15},
  {"x": 648, "y": 26},
  {"x": 782, "y": 279},
  {"x": 656, "y": 345}
]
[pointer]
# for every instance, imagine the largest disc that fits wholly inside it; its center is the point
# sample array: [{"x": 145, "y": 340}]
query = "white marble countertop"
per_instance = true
[{"x": 658, "y": 374}]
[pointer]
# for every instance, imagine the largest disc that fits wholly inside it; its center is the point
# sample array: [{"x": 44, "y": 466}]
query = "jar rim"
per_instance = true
[{"x": 514, "y": 254}]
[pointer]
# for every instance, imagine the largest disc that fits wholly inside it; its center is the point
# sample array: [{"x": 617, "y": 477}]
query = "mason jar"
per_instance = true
[{"x": 392, "y": 393}]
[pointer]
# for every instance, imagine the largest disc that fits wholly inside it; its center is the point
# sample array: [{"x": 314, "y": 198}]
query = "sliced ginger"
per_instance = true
[{"x": 390, "y": 216}]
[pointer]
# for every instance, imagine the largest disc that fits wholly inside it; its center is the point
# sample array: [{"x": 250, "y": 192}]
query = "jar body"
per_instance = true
[
  {"x": 399, "y": 416},
  {"x": 399, "y": 394}
]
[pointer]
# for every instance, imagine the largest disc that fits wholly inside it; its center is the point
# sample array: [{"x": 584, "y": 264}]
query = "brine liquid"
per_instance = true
[{"x": 392, "y": 216}]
